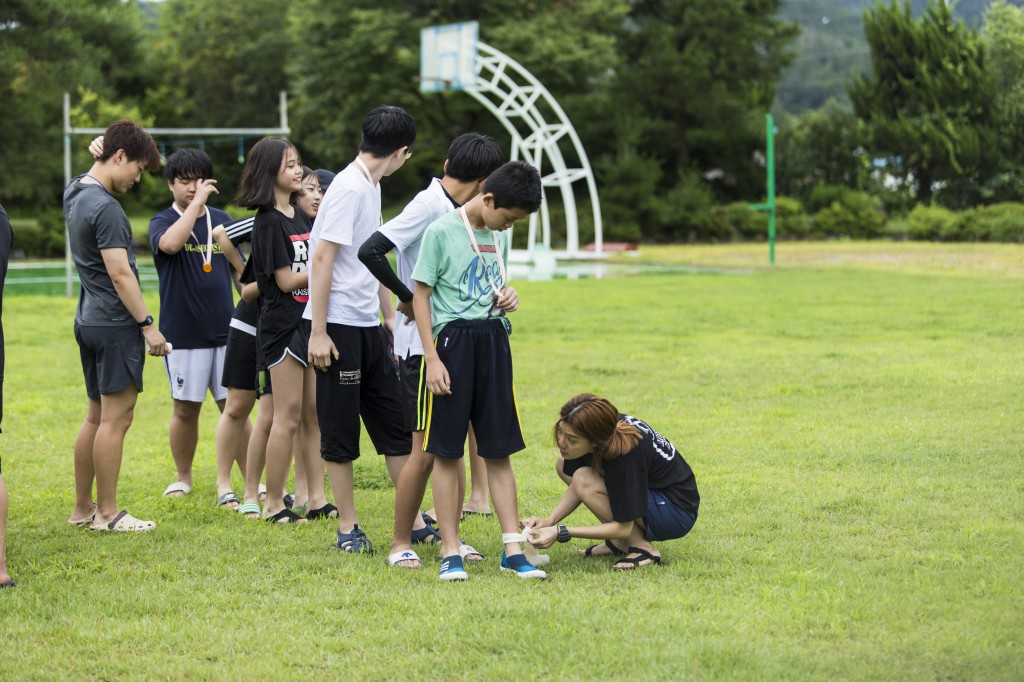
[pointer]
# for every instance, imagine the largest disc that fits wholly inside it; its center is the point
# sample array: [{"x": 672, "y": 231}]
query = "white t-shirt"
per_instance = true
[
  {"x": 405, "y": 231},
  {"x": 348, "y": 215}
]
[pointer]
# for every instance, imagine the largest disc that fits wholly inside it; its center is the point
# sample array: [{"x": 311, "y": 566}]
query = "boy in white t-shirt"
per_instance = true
[
  {"x": 356, "y": 375},
  {"x": 471, "y": 158}
]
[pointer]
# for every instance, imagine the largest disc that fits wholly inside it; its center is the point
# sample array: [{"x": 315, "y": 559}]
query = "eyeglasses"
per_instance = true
[{"x": 408, "y": 153}]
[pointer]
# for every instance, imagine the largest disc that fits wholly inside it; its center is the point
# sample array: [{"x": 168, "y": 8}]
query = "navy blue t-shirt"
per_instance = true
[{"x": 195, "y": 306}]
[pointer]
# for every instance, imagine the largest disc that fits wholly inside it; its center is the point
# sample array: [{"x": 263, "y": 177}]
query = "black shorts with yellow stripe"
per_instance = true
[
  {"x": 414, "y": 392},
  {"x": 478, "y": 358}
]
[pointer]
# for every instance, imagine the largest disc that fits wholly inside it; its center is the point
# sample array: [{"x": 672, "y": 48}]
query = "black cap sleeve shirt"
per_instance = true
[{"x": 654, "y": 464}]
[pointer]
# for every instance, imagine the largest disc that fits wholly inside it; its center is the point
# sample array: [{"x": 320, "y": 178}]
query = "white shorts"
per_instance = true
[{"x": 193, "y": 371}]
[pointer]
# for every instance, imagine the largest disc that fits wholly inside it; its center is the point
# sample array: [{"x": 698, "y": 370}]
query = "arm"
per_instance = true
[
  {"x": 250, "y": 292},
  {"x": 220, "y": 236},
  {"x": 613, "y": 530},
  {"x": 373, "y": 254},
  {"x": 387, "y": 312},
  {"x": 321, "y": 349},
  {"x": 127, "y": 287},
  {"x": 174, "y": 238},
  {"x": 438, "y": 381},
  {"x": 288, "y": 281}
]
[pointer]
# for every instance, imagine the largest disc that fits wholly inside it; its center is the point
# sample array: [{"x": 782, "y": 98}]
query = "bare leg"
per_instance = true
[
  {"x": 299, "y": 463},
  {"x": 287, "y": 377},
  {"x": 85, "y": 473},
  {"x": 478, "y": 480},
  {"x": 590, "y": 488},
  {"x": 256, "y": 453},
  {"x": 342, "y": 485},
  {"x": 503, "y": 494},
  {"x": 184, "y": 436},
  {"x": 232, "y": 436},
  {"x": 4, "y": 575},
  {"x": 409, "y": 489},
  {"x": 396, "y": 464},
  {"x": 309, "y": 448},
  {"x": 116, "y": 412},
  {"x": 447, "y": 502}
]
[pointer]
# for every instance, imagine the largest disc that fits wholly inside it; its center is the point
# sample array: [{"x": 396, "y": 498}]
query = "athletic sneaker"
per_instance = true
[
  {"x": 452, "y": 569},
  {"x": 522, "y": 567}
]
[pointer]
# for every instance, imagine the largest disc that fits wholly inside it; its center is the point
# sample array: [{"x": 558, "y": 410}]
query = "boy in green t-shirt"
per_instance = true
[{"x": 460, "y": 300}]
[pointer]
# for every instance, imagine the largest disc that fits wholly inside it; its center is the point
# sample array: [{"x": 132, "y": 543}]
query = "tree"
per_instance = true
[
  {"x": 929, "y": 100},
  {"x": 1004, "y": 39},
  {"x": 48, "y": 47},
  {"x": 702, "y": 74}
]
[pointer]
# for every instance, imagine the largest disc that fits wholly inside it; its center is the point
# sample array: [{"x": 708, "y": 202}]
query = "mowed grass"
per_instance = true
[{"x": 856, "y": 434}]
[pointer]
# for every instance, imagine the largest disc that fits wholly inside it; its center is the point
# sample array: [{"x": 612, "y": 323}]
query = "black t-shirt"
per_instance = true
[
  {"x": 279, "y": 241},
  {"x": 240, "y": 232},
  {"x": 654, "y": 464},
  {"x": 195, "y": 306}
]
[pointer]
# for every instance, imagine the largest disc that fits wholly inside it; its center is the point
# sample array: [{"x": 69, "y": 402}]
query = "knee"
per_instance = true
[
  {"x": 186, "y": 412},
  {"x": 586, "y": 482}
]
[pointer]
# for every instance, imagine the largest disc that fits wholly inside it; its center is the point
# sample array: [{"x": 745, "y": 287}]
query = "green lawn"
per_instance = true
[{"x": 853, "y": 417}]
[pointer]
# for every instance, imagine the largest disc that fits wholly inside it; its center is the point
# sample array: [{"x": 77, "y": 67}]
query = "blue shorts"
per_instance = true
[{"x": 666, "y": 521}]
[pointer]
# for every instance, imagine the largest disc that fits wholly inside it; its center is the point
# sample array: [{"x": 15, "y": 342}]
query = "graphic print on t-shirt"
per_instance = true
[
  {"x": 300, "y": 260},
  {"x": 663, "y": 446},
  {"x": 475, "y": 281}
]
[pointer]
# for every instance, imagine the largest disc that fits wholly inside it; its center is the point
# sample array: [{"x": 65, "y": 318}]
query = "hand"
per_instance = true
[
  {"x": 542, "y": 538},
  {"x": 438, "y": 381},
  {"x": 508, "y": 301},
  {"x": 321, "y": 350},
  {"x": 155, "y": 340},
  {"x": 204, "y": 188},
  {"x": 389, "y": 329},
  {"x": 532, "y": 522},
  {"x": 406, "y": 309},
  {"x": 96, "y": 147}
]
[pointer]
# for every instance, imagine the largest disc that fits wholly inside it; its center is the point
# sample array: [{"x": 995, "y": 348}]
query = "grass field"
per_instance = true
[{"x": 853, "y": 417}]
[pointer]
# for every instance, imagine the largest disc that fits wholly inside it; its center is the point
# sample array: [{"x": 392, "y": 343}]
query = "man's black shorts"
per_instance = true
[
  {"x": 240, "y": 361},
  {"x": 414, "y": 392},
  {"x": 112, "y": 358},
  {"x": 478, "y": 358},
  {"x": 362, "y": 382}
]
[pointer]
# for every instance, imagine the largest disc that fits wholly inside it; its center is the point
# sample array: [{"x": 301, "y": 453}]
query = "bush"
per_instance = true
[
  {"x": 997, "y": 223},
  {"x": 791, "y": 221},
  {"x": 929, "y": 222},
  {"x": 733, "y": 222},
  {"x": 856, "y": 215}
]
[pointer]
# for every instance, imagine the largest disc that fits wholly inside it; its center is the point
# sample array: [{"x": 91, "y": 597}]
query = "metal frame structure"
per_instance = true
[
  {"x": 283, "y": 129},
  {"x": 453, "y": 58}
]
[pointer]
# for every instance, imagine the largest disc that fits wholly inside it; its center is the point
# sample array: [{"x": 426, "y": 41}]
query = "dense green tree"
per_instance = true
[
  {"x": 48, "y": 47},
  {"x": 825, "y": 146},
  {"x": 929, "y": 101},
  {"x": 702, "y": 74},
  {"x": 1004, "y": 37}
]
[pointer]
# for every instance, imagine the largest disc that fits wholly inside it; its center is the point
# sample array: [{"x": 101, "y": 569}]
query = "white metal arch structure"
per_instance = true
[{"x": 537, "y": 125}]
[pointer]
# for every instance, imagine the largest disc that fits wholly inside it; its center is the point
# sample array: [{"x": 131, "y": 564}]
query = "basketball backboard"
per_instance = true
[{"x": 448, "y": 56}]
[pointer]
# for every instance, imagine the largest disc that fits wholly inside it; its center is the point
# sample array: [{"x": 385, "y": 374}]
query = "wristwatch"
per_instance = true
[
  {"x": 146, "y": 322},
  {"x": 563, "y": 533}
]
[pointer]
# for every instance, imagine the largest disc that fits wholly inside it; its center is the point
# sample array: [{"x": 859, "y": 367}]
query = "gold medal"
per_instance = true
[{"x": 207, "y": 267}]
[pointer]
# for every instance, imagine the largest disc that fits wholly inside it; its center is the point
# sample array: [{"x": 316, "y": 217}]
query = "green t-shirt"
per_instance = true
[{"x": 461, "y": 279}]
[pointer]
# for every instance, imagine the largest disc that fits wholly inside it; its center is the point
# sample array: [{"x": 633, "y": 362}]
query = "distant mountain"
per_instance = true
[{"x": 831, "y": 48}]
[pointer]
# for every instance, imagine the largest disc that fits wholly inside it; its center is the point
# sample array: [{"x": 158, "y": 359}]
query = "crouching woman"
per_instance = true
[{"x": 628, "y": 475}]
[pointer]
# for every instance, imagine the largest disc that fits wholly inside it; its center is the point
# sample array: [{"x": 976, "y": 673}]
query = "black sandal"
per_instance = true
[
  {"x": 328, "y": 511},
  {"x": 630, "y": 563},
  {"x": 285, "y": 516},
  {"x": 615, "y": 551}
]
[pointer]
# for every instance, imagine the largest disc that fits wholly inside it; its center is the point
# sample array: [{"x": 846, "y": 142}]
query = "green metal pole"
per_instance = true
[{"x": 770, "y": 134}]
